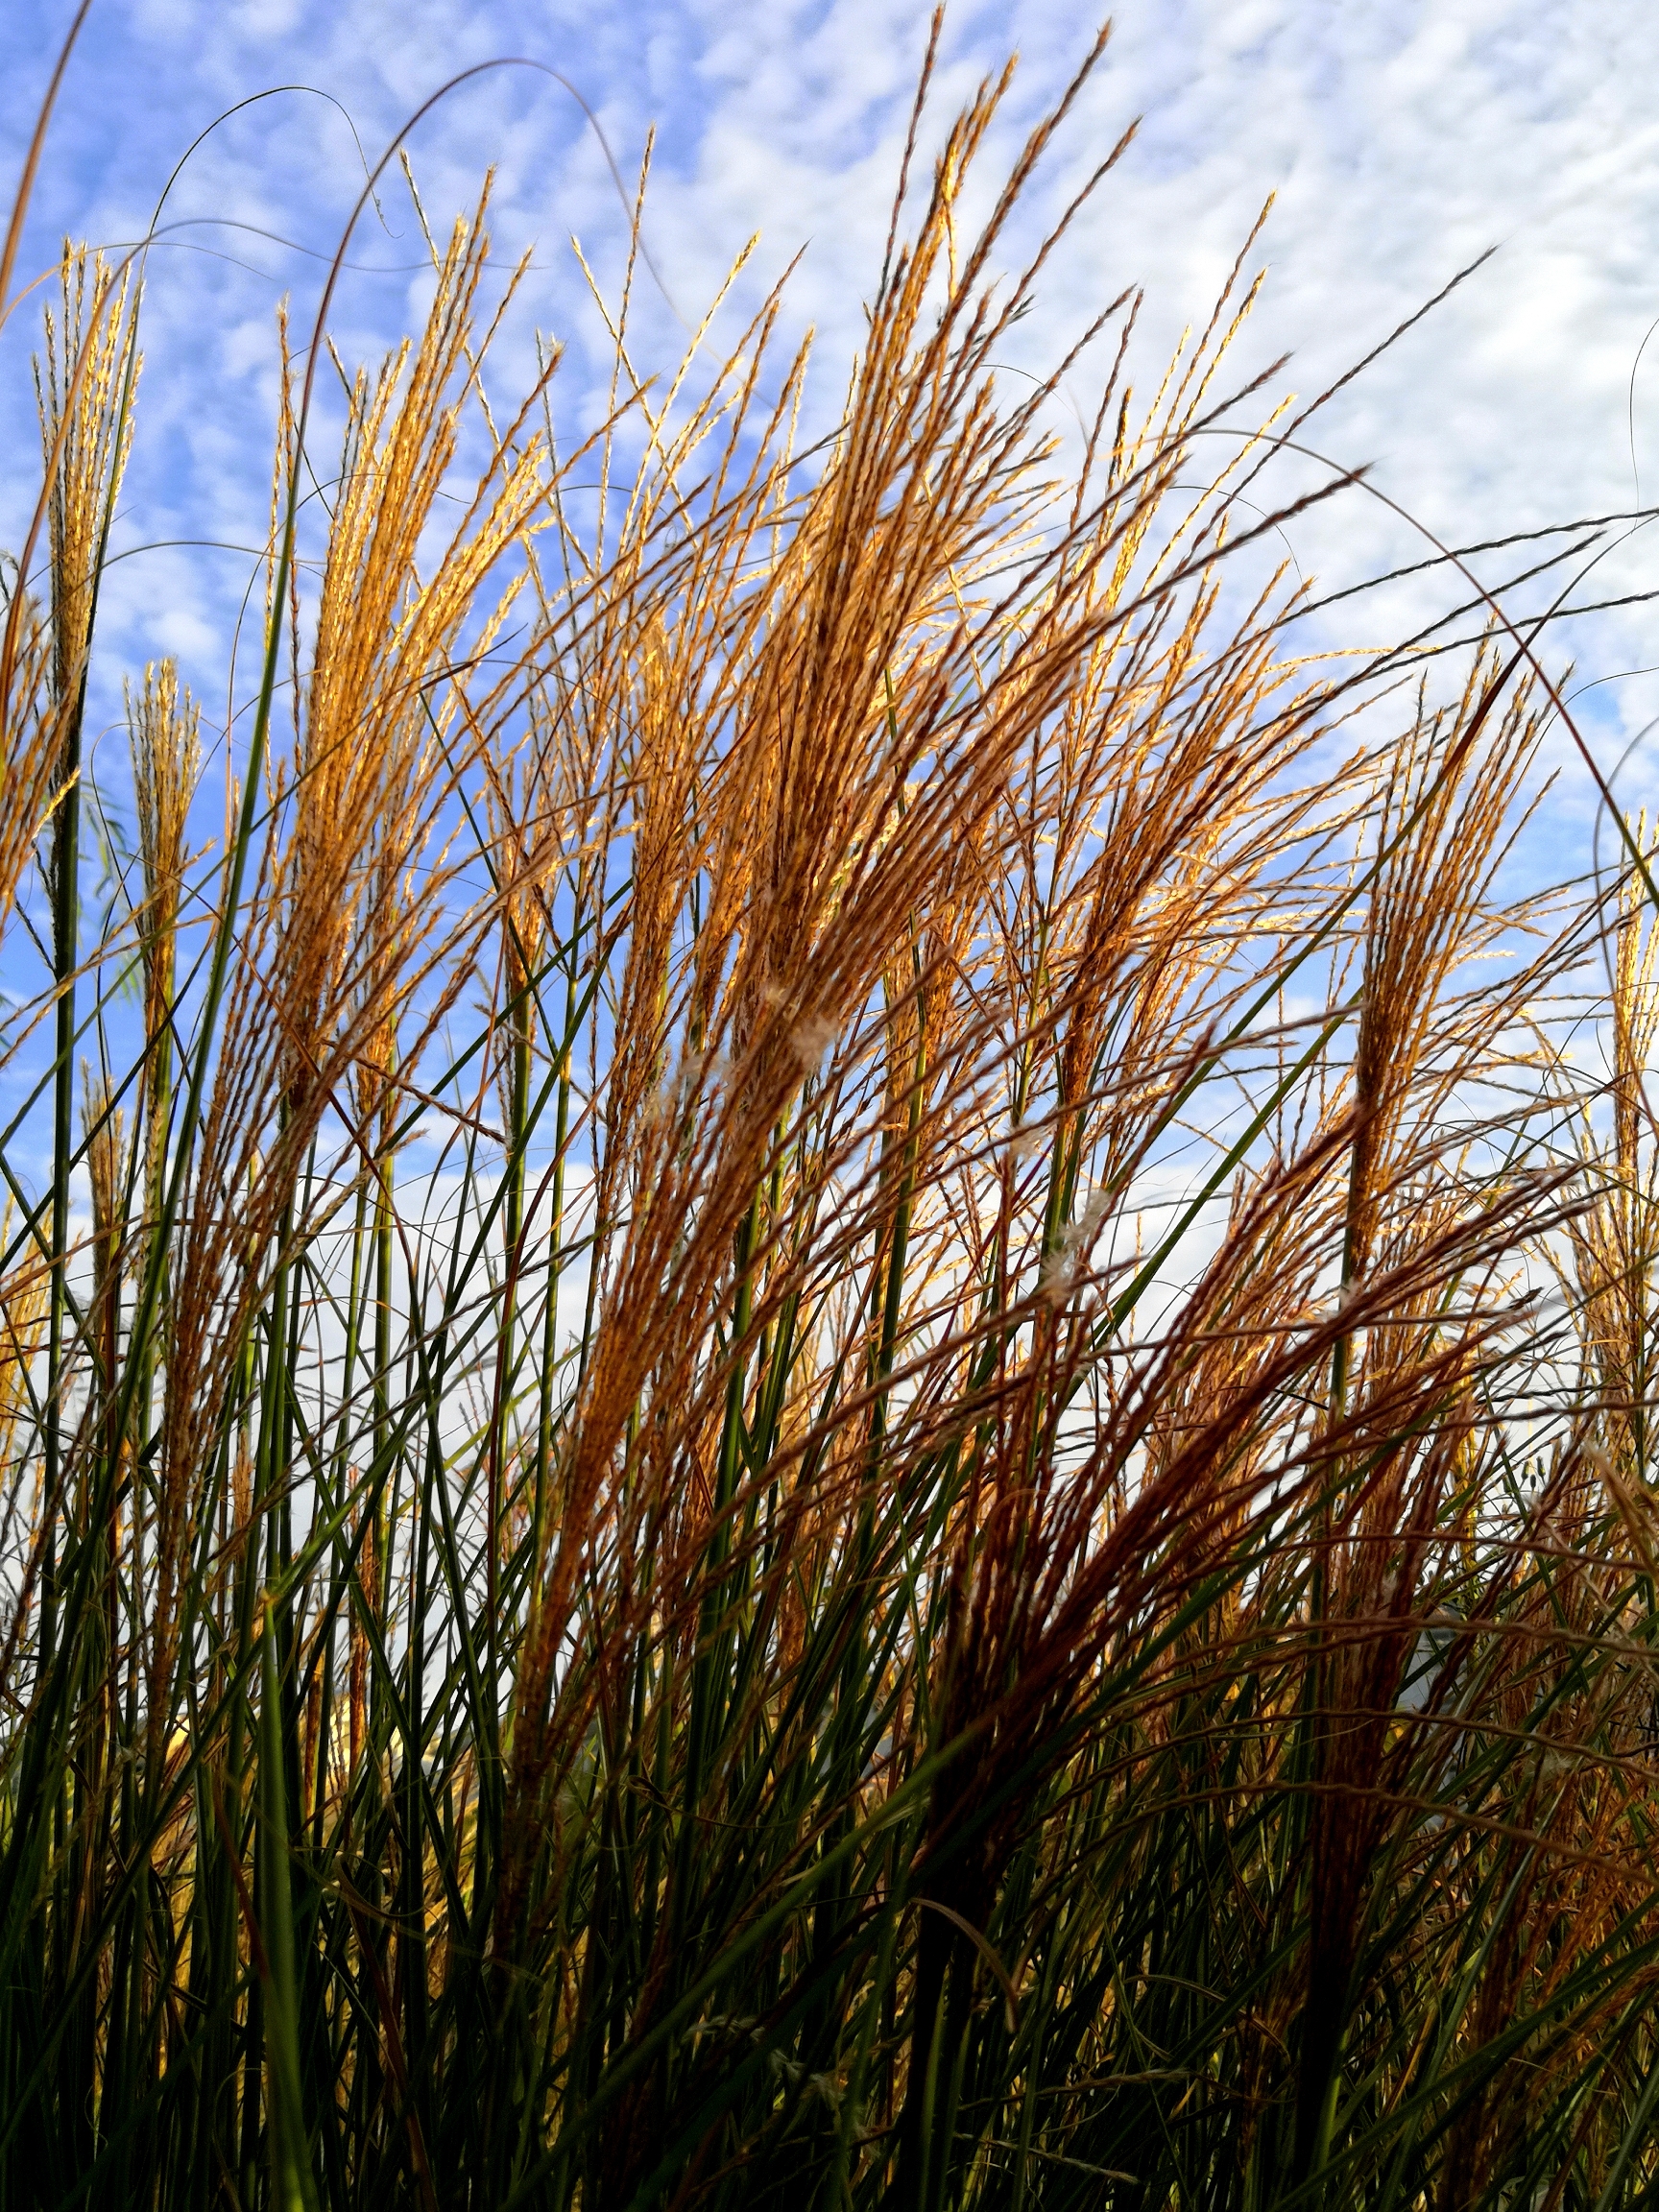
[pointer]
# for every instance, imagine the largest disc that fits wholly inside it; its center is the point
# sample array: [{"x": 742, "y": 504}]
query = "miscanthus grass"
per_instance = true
[{"x": 817, "y": 1388}]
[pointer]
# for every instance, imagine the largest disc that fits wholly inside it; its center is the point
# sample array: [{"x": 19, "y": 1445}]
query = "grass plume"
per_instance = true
[{"x": 804, "y": 1444}]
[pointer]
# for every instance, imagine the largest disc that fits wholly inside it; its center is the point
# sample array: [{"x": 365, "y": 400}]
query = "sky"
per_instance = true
[{"x": 1400, "y": 140}]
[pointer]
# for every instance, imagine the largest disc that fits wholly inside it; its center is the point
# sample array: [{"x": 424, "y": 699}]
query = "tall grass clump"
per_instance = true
[{"x": 816, "y": 1387}]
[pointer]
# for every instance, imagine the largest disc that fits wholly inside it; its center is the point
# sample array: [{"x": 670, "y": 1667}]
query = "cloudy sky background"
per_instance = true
[{"x": 1401, "y": 139}]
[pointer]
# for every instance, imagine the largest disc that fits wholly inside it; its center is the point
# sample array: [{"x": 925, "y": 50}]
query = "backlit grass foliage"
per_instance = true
[{"x": 815, "y": 1388}]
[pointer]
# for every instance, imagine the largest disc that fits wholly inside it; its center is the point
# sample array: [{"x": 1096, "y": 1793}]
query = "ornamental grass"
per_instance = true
[{"x": 819, "y": 1386}]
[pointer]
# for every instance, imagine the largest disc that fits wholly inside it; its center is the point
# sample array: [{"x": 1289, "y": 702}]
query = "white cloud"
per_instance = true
[{"x": 1400, "y": 137}]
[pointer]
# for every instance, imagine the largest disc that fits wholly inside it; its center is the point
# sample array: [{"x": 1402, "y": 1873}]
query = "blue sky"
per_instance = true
[{"x": 1400, "y": 140}]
